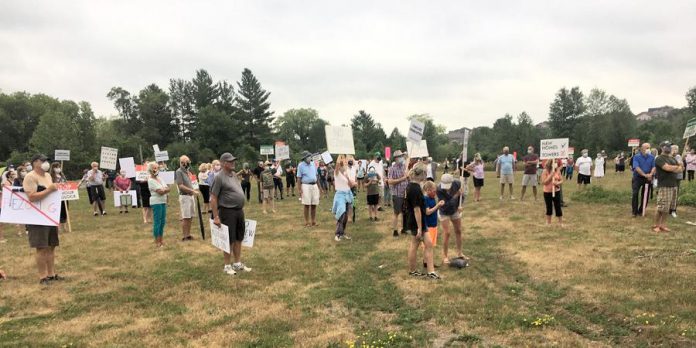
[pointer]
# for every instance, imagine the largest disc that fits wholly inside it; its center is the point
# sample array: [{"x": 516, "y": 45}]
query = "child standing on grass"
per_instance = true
[
  {"x": 431, "y": 208},
  {"x": 415, "y": 212},
  {"x": 373, "y": 180},
  {"x": 268, "y": 186}
]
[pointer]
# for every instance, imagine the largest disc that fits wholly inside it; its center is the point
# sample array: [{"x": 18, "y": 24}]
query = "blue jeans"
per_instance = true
[{"x": 159, "y": 218}]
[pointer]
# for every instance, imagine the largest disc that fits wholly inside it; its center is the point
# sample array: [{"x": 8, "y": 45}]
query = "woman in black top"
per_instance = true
[{"x": 245, "y": 174}]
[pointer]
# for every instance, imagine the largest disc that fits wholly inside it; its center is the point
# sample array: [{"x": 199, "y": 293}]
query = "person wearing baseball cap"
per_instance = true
[
  {"x": 416, "y": 211},
  {"x": 309, "y": 191},
  {"x": 227, "y": 204},
  {"x": 37, "y": 186},
  {"x": 667, "y": 168},
  {"x": 397, "y": 180},
  {"x": 449, "y": 191},
  {"x": 267, "y": 183},
  {"x": 379, "y": 169}
]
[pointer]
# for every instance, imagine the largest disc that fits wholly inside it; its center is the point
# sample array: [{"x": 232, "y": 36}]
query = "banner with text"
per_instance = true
[{"x": 17, "y": 209}]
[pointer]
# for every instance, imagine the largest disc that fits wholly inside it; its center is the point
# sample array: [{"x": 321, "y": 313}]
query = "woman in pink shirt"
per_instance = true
[
  {"x": 551, "y": 179},
  {"x": 690, "y": 160},
  {"x": 122, "y": 184}
]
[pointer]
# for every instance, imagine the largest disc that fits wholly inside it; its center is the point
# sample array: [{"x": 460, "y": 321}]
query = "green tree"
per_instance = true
[
  {"x": 181, "y": 102},
  {"x": 159, "y": 124},
  {"x": 564, "y": 112},
  {"x": 396, "y": 140},
  {"x": 691, "y": 99},
  {"x": 127, "y": 107},
  {"x": 368, "y": 135},
  {"x": 19, "y": 116},
  {"x": 254, "y": 110},
  {"x": 302, "y": 129}
]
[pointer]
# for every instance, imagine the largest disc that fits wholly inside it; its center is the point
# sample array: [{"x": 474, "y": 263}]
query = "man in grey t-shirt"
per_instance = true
[
  {"x": 227, "y": 204},
  {"x": 186, "y": 194}
]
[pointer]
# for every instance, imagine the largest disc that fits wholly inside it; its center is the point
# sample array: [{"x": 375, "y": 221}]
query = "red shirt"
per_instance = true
[{"x": 123, "y": 184}]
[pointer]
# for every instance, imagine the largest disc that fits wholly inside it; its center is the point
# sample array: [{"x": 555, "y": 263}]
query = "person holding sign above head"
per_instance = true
[
  {"x": 95, "y": 189},
  {"x": 158, "y": 201},
  {"x": 123, "y": 185},
  {"x": 343, "y": 199},
  {"x": 506, "y": 171},
  {"x": 584, "y": 166},
  {"x": 227, "y": 203},
  {"x": 182, "y": 178},
  {"x": 552, "y": 179},
  {"x": 37, "y": 186},
  {"x": 309, "y": 191}
]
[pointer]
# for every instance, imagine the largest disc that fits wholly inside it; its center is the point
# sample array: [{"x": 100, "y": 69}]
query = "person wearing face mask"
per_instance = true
[
  {"x": 6, "y": 182},
  {"x": 584, "y": 167},
  {"x": 21, "y": 174},
  {"x": 643, "y": 164},
  {"x": 95, "y": 188},
  {"x": 158, "y": 202},
  {"x": 309, "y": 191},
  {"x": 257, "y": 174},
  {"x": 667, "y": 169},
  {"x": 58, "y": 177},
  {"x": 145, "y": 196},
  {"x": 277, "y": 179},
  {"x": 38, "y": 185},
  {"x": 505, "y": 169},
  {"x": 352, "y": 173},
  {"x": 343, "y": 199},
  {"x": 268, "y": 185},
  {"x": 123, "y": 185},
  {"x": 398, "y": 181},
  {"x": 203, "y": 170},
  {"x": 373, "y": 179},
  {"x": 290, "y": 175},
  {"x": 530, "y": 178},
  {"x": 182, "y": 179},
  {"x": 379, "y": 168},
  {"x": 245, "y": 175}
]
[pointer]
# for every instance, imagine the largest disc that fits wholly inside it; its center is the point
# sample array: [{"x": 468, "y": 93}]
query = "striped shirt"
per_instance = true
[{"x": 396, "y": 172}]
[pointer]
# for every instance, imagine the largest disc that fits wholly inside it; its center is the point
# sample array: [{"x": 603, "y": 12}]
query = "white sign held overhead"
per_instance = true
[
  {"x": 553, "y": 148},
  {"x": 266, "y": 150},
  {"x": 128, "y": 164},
  {"x": 249, "y": 233},
  {"x": 108, "y": 158},
  {"x": 162, "y": 156},
  {"x": 415, "y": 131},
  {"x": 17, "y": 209},
  {"x": 417, "y": 150},
  {"x": 465, "y": 143},
  {"x": 282, "y": 152},
  {"x": 156, "y": 148},
  {"x": 326, "y": 157},
  {"x": 61, "y": 155},
  {"x": 220, "y": 236},
  {"x": 339, "y": 140}
]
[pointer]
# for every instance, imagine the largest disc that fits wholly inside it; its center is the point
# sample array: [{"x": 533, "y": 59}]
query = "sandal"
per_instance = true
[
  {"x": 656, "y": 229},
  {"x": 665, "y": 229}
]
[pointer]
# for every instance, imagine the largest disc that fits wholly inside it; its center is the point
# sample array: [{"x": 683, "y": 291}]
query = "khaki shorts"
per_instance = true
[
  {"x": 188, "y": 210},
  {"x": 43, "y": 236},
  {"x": 507, "y": 178},
  {"x": 455, "y": 216},
  {"x": 529, "y": 180},
  {"x": 310, "y": 194},
  {"x": 666, "y": 199},
  {"x": 268, "y": 194}
]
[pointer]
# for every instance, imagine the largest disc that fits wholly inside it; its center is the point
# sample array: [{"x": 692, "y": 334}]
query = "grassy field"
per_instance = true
[{"x": 604, "y": 280}]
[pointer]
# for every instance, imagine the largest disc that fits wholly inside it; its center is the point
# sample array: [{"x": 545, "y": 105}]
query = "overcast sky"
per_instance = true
[{"x": 466, "y": 63}]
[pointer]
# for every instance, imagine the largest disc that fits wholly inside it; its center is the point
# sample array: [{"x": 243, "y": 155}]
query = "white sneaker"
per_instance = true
[
  {"x": 346, "y": 237},
  {"x": 337, "y": 238},
  {"x": 241, "y": 267},
  {"x": 674, "y": 214},
  {"x": 228, "y": 270}
]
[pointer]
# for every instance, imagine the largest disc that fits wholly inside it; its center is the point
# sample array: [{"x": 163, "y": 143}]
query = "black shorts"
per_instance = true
[
  {"x": 289, "y": 181},
  {"x": 373, "y": 199},
  {"x": 583, "y": 179},
  {"x": 96, "y": 191},
  {"x": 43, "y": 236},
  {"x": 234, "y": 220},
  {"x": 478, "y": 182}
]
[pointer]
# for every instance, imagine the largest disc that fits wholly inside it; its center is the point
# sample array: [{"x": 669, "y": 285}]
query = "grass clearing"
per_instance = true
[{"x": 604, "y": 280}]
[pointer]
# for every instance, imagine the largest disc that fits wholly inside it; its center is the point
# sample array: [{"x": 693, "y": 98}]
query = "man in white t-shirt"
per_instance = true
[
  {"x": 379, "y": 169},
  {"x": 584, "y": 168}
]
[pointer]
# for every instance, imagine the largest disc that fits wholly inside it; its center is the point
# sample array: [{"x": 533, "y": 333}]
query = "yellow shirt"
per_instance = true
[{"x": 33, "y": 180}]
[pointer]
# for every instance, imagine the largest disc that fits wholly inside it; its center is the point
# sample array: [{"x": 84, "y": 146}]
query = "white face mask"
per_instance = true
[
  {"x": 29, "y": 168},
  {"x": 45, "y": 166},
  {"x": 584, "y": 155},
  {"x": 57, "y": 170}
]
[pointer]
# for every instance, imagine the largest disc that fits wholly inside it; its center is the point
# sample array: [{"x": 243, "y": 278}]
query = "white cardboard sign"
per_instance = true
[
  {"x": 339, "y": 140},
  {"x": 17, "y": 209},
  {"x": 266, "y": 149},
  {"x": 249, "y": 233},
  {"x": 553, "y": 148},
  {"x": 117, "y": 198},
  {"x": 61, "y": 155},
  {"x": 161, "y": 156},
  {"x": 415, "y": 131},
  {"x": 220, "y": 237},
  {"x": 417, "y": 150},
  {"x": 108, "y": 158},
  {"x": 282, "y": 152},
  {"x": 326, "y": 157},
  {"x": 69, "y": 190},
  {"x": 156, "y": 148},
  {"x": 128, "y": 164},
  {"x": 167, "y": 177}
]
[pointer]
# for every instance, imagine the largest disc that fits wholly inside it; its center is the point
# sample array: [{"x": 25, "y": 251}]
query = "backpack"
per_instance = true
[{"x": 267, "y": 178}]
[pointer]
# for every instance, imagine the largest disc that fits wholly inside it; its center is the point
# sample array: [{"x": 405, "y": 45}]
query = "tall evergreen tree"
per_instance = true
[
  {"x": 253, "y": 107},
  {"x": 565, "y": 110},
  {"x": 159, "y": 124}
]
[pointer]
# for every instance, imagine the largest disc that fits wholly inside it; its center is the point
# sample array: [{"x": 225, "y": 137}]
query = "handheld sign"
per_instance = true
[
  {"x": 415, "y": 131},
  {"x": 17, "y": 209},
  {"x": 131, "y": 193},
  {"x": 249, "y": 233},
  {"x": 128, "y": 164},
  {"x": 108, "y": 158},
  {"x": 571, "y": 151},
  {"x": 326, "y": 157},
  {"x": 156, "y": 148},
  {"x": 220, "y": 236},
  {"x": 282, "y": 152},
  {"x": 266, "y": 149},
  {"x": 690, "y": 128},
  {"x": 61, "y": 155},
  {"x": 417, "y": 150},
  {"x": 69, "y": 190},
  {"x": 141, "y": 173},
  {"x": 339, "y": 140},
  {"x": 553, "y": 148},
  {"x": 465, "y": 143},
  {"x": 162, "y": 156},
  {"x": 167, "y": 177},
  {"x": 387, "y": 152},
  {"x": 633, "y": 142}
]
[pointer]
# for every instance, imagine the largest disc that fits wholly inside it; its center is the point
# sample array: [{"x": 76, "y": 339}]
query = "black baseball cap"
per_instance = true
[{"x": 39, "y": 157}]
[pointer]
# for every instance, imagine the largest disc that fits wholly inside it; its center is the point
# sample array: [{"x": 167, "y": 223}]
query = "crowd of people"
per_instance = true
[{"x": 420, "y": 204}]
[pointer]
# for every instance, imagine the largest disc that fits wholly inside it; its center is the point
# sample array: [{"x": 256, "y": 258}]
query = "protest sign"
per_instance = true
[
  {"x": 118, "y": 194},
  {"x": 415, "y": 131},
  {"x": 141, "y": 173},
  {"x": 61, "y": 155},
  {"x": 465, "y": 144},
  {"x": 249, "y": 233},
  {"x": 571, "y": 151},
  {"x": 417, "y": 150},
  {"x": 387, "y": 152},
  {"x": 690, "y": 128},
  {"x": 282, "y": 152},
  {"x": 156, "y": 148},
  {"x": 17, "y": 209},
  {"x": 553, "y": 148},
  {"x": 108, "y": 158},
  {"x": 363, "y": 165},
  {"x": 220, "y": 236},
  {"x": 69, "y": 190},
  {"x": 167, "y": 177},
  {"x": 326, "y": 157},
  {"x": 266, "y": 149},
  {"x": 128, "y": 164},
  {"x": 162, "y": 156},
  {"x": 633, "y": 142},
  {"x": 316, "y": 158},
  {"x": 339, "y": 140}
]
